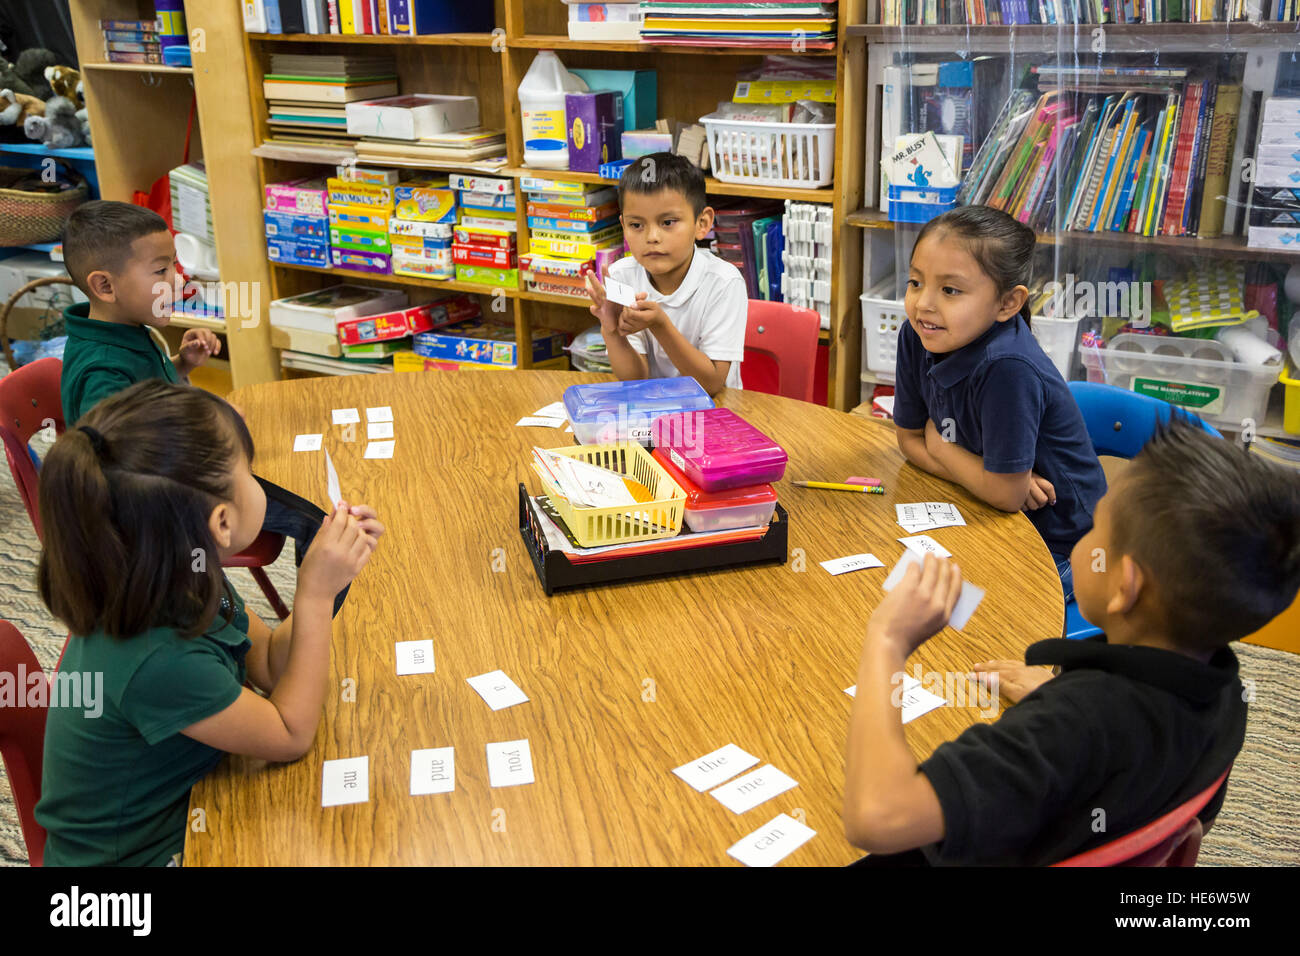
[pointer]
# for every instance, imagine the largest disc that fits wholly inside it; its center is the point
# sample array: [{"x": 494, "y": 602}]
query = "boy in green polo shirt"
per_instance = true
[{"x": 123, "y": 258}]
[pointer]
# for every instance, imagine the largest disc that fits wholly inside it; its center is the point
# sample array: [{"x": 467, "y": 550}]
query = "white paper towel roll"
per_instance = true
[{"x": 1248, "y": 349}]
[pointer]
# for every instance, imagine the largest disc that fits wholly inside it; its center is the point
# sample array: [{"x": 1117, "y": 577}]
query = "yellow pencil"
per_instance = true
[{"x": 836, "y": 486}]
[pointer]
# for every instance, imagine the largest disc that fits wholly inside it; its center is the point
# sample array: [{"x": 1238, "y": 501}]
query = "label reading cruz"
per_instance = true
[{"x": 1204, "y": 398}]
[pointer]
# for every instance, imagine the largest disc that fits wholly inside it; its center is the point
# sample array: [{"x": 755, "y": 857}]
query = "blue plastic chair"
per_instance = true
[{"x": 1119, "y": 423}]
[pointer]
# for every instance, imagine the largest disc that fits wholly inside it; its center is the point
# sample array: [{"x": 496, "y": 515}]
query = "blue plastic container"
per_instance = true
[
  {"x": 606, "y": 412},
  {"x": 913, "y": 204}
]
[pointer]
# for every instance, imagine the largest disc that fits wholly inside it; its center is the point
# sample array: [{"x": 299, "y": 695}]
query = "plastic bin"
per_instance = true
[
  {"x": 801, "y": 155},
  {"x": 717, "y": 449},
  {"x": 919, "y": 204},
  {"x": 748, "y": 506},
  {"x": 881, "y": 318},
  {"x": 1196, "y": 374},
  {"x": 1290, "y": 378},
  {"x": 1058, "y": 337},
  {"x": 619, "y": 524},
  {"x": 622, "y": 411}
]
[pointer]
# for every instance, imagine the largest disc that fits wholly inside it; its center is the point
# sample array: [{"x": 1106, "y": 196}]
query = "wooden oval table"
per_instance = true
[{"x": 625, "y": 681}]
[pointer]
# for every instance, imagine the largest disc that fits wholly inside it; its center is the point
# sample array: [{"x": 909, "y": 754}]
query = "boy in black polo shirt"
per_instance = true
[
  {"x": 1197, "y": 545},
  {"x": 123, "y": 258}
]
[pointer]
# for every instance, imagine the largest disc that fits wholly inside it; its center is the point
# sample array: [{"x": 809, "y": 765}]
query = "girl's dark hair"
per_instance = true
[
  {"x": 1001, "y": 244},
  {"x": 125, "y": 499}
]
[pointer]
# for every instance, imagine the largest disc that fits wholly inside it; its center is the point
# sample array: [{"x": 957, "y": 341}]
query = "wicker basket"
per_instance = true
[
  {"x": 31, "y": 217},
  {"x": 8, "y": 307}
]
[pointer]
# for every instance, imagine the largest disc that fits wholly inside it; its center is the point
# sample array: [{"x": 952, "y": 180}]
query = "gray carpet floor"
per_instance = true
[{"x": 1258, "y": 826}]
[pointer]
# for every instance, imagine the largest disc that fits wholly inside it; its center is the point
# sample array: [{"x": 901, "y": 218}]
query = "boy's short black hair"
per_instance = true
[
  {"x": 99, "y": 236},
  {"x": 660, "y": 171},
  {"x": 1217, "y": 528}
]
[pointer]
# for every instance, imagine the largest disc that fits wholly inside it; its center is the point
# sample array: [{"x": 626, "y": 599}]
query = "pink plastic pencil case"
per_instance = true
[{"x": 717, "y": 449}]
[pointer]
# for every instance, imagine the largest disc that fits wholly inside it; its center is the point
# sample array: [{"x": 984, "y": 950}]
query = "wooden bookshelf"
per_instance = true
[{"x": 490, "y": 66}]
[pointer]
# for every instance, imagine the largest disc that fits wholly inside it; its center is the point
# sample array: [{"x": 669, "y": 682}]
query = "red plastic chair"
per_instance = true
[
  {"x": 29, "y": 398},
  {"x": 22, "y": 740},
  {"x": 786, "y": 336},
  {"x": 1171, "y": 840}
]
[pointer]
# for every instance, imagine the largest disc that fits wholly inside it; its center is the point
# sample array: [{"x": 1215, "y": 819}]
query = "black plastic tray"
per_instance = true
[{"x": 557, "y": 572}]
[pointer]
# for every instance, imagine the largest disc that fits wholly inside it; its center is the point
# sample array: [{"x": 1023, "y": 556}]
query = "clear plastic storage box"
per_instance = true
[{"x": 604, "y": 412}]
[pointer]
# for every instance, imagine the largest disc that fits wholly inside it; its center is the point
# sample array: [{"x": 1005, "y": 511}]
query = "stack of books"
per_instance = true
[
  {"x": 1006, "y": 12},
  {"x": 307, "y": 94},
  {"x": 366, "y": 17},
  {"x": 486, "y": 211},
  {"x": 1141, "y": 150},
  {"x": 573, "y": 230},
  {"x": 723, "y": 23},
  {"x": 131, "y": 41},
  {"x": 473, "y": 148}
]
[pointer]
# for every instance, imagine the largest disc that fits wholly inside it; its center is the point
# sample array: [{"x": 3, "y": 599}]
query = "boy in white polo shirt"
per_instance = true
[{"x": 690, "y": 306}]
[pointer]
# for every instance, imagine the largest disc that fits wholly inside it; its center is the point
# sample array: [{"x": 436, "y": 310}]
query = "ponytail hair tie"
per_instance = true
[{"x": 96, "y": 439}]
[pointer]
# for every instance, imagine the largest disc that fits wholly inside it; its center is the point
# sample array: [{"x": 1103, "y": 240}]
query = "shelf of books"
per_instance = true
[
  {"x": 1155, "y": 159},
  {"x": 431, "y": 193}
]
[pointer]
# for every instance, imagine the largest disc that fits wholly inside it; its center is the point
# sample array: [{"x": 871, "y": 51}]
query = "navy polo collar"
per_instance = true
[
  {"x": 955, "y": 366},
  {"x": 1176, "y": 673}
]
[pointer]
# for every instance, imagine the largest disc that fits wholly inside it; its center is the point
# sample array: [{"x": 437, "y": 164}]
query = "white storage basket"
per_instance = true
[{"x": 800, "y": 155}]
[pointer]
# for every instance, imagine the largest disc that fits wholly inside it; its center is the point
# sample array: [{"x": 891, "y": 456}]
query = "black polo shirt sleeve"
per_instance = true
[
  {"x": 910, "y": 410},
  {"x": 1000, "y": 785},
  {"x": 1011, "y": 401}
]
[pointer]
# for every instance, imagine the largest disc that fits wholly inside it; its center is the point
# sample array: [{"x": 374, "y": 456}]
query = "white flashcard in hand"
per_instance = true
[
  {"x": 380, "y": 449},
  {"x": 715, "y": 768},
  {"x": 497, "y": 689},
  {"x": 345, "y": 781},
  {"x": 433, "y": 771},
  {"x": 376, "y": 430},
  {"x": 923, "y": 544},
  {"x": 772, "y": 842},
  {"x": 616, "y": 291},
  {"x": 509, "y": 763},
  {"x": 414, "y": 657},
  {"x": 307, "y": 443},
  {"x": 967, "y": 601},
  {"x": 380, "y": 413},
  {"x": 346, "y": 416},
  {"x": 332, "y": 482},
  {"x": 747, "y": 792},
  {"x": 854, "y": 562},
  {"x": 539, "y": 421}
]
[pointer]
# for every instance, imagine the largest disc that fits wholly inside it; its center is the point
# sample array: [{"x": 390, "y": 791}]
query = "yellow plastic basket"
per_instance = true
[
  {"x": 1290, "y": 378},
  {"x": 658, "y": 518}
]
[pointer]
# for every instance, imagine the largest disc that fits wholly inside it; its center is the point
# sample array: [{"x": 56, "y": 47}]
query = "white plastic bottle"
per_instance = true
[{"x": 541, "y": 100}]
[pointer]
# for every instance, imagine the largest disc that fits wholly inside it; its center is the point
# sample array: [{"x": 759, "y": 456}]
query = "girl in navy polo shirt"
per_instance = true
[{"x": 977, "y": 400}]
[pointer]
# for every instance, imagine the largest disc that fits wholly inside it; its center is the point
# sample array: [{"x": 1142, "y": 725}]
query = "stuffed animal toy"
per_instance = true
[
  {"x": 10, "y": 80},
  {"x": 31, "y": 66},
  {"x": 59, "y": 128},
  {"x": 64, "y": 81},
  {"x": 82, "y": 116},
  {"x": 16, "y": 107}
]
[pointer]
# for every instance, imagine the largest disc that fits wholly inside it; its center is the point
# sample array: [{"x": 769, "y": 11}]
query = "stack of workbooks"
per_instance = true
[
  {"x": 472, "y": 148},
  {"x": 723, "y": 23},
  {"x": 307, "y": 94},
  {"x": 1141, "y": 150}
]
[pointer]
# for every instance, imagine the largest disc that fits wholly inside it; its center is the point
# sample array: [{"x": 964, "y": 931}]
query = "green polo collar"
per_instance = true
[{"x": 133, "y": 337}]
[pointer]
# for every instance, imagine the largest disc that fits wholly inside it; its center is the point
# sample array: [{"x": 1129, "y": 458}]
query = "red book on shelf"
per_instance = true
[{"x": 1172, "y": 224}]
